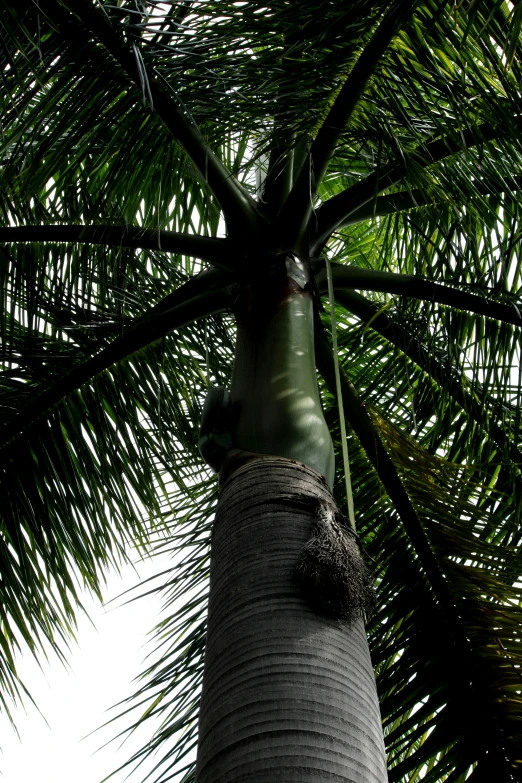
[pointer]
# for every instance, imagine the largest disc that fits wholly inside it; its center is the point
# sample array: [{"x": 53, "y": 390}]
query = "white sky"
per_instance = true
[{"x": 74, "y": 702}]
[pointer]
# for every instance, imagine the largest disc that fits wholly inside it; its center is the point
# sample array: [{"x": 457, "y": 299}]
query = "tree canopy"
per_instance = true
[{"x": 145, "y": 145}]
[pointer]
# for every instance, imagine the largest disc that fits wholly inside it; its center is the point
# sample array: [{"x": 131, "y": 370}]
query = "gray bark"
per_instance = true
[{"x": 288, "y": 694}]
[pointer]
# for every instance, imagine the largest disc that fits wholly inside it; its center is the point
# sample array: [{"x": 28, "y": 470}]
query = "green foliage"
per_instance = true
[{"x": 108, "y": 347}]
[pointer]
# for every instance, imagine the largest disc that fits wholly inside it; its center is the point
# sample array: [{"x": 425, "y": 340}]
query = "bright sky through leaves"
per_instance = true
[{"x": 74, "y": 702}]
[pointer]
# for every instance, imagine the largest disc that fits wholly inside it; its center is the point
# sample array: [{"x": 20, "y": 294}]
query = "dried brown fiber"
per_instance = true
[{"x": 331, "y": 569}]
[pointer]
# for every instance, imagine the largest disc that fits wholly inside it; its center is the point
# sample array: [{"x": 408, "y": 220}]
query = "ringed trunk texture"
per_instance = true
[{"x": 288, "y": 693}]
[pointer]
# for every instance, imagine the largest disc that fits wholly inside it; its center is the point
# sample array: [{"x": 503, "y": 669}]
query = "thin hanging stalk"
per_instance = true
[{"x": 344, "y": 442}]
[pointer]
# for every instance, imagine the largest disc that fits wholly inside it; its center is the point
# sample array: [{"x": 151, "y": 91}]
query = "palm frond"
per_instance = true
[
  {"x": 384, "y": 133},
  {"x": 484, "y": 685},
  {"x": 462, "y": 582}
]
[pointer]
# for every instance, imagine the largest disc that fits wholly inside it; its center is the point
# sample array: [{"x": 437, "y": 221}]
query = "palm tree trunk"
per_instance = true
[{"x": 288, "y": 694}]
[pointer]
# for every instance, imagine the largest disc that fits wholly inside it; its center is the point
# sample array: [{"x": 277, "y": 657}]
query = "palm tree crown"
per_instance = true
[{"x": 155, "y": 156}]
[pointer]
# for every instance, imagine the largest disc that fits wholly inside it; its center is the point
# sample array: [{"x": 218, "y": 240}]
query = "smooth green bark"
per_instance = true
[{"x": 274, "y": 383}]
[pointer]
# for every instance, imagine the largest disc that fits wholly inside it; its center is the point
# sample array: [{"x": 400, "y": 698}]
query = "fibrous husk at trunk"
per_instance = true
[{"x": 331, "y": 569}]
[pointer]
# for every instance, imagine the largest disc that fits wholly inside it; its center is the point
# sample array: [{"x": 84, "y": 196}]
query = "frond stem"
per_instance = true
[
  {"x": 352, "y": 277},
  {"x": 341, "y": 207},
  {"x": 453, "y": 383},
  {"x": 238, "y": 206},
  {"x": 151, "y": 327},
  {"x": 362, "y": 425},
  {"x": 323, "y": 147},
  {"x": 298, "y": 207},
  {"x": 216, "y": 251},
  {"x": 413, "y": 199}
]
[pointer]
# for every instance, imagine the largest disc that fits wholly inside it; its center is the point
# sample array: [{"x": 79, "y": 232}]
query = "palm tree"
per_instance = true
[{"x": 302, "y": 176}]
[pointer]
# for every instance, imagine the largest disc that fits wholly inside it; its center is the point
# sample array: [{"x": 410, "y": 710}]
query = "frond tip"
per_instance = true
[{"x": 331, "y": 569}]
